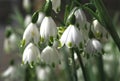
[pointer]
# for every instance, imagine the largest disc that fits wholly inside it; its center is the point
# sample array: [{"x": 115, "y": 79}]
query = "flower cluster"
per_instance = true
[{"x": 76, "y": 33}]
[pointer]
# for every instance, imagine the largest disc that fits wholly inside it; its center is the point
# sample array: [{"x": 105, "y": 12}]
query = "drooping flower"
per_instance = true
[
  {"x": 80, "y": 18},
  {"x": 93, "y": 47},
  {"x": 40, "y": 18},
  {"x": 99, "y": 31},
  {"x": 48, "y": 28},
  {"x": 31, "y": 33},
  {"x": 71, "y": 37},
  {"x": 50, "y": 56},
  {"x": 27, "y": 20},
  {"x": 43, "y": 73},
  {"x": 56, "y": 5},
  {"x": 31, "y": 54}
]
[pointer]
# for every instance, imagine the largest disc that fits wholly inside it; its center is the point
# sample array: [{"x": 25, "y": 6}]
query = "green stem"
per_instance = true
[
  {"x": 74, "y": 65},
  {"x": 106, "y": 21},
  {"x": 101, "y": 68},
  {"x": 84, "y": 71}
]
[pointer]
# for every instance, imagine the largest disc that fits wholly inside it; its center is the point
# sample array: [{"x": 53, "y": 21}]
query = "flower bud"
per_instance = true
[{"x": 40, "y": 18}]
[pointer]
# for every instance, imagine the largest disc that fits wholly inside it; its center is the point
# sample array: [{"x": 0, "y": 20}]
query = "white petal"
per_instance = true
[{"x": 27, "y": 20}]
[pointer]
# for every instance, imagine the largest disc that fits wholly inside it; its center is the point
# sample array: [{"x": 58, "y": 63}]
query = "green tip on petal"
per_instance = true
[
  {"x": 22, "y": 43},
  {"x": 51, "y": 39},
  {"x": 42, "y": 39},
  {"x": 69, "y": 44},
  {"x": 60, "y": 44}
]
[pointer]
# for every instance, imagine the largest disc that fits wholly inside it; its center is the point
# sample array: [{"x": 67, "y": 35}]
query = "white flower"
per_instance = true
[
  {"x": 100, "y": 31},
  {"x": 48, "y": 28},
  {"x": 27, "y": 20},
  {"x": 31, "y": 33},
  {"x": 43, "y": 73},
  {"x": 80, "y": 18},
  {"x": 71, "y": 37},
  {"x": 10, "y": 44},
  {"x": 26, "y": 4},
  {"x": 56, "y": 5},
  {"x": 40, "y": 18},
  {"x": 93, "y": 47},
  {"x": 31, "y": 54},
  {"x": 50, "y": 56}
]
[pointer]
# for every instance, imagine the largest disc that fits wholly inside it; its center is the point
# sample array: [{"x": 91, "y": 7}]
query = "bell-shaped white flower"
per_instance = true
[
  {"x": 40, "y": 18},
  {"x": 93, "y": 47},
  {"x": 71, "y": 37},
  {"x": 26, "y": 4},
  {"x": 100, "y": 31},
  {"x": 27, "y": 20},
  {"x": 56, "y": 5},
  {"x": 31, "y": 33},
  {"x": 31, "y": 54},
  {"x": 43, "y": 73},
  {"x": 48, "y": 28},
  {"x": 50, "y": 56},
  {"x": 80, "y": 18}
]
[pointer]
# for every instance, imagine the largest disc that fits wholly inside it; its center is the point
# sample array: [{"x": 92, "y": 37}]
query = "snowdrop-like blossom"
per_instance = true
[
  {"x": 27, "y": 20},
  {"x": 50, "y": 56},
  {"x": 48, "y": 28},
  {"x": 26, "y": 4},
  {"x": 93, "y": 47},
  {"x": 71, "y": 37},
  {"x": 100, "y": 31},
  {"x": 31, "y": 33},
  {"x": 31, "y": 54},
  {"x": 56, "y": 5},
  {"x": 80, "y": 18},
  {"x": 40, "y": 18},
  {"x": 10, "y": 44},
  {"x": 43, "y": 73}
]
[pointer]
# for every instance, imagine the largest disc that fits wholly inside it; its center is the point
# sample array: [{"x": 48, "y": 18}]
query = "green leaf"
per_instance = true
[{"x": 35, "y": 17}]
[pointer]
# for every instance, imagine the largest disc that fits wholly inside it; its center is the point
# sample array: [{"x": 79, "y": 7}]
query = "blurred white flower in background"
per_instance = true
[
  {"x": 27, "y": 20},
  {"x": 56, "y": 5},
  {"x": 48, "y": 28},
  {"x": 26, "y": 4},
  {"x": 11, "y": 43},
  {"x": 31, "y": 54},
  {"x": 43, "y": 73},
  {"x": 31, "y": 33}
]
